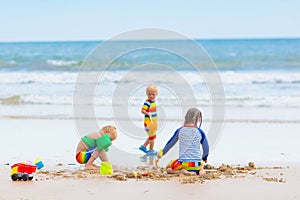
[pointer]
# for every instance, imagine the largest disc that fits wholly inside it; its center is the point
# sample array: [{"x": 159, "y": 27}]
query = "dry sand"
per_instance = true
[
  {"x": 64, "y": 181},
  {"x": 229, "y": 182}
]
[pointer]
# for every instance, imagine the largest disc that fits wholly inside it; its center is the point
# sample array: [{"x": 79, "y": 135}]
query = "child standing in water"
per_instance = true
[
  {"x": 191, "y": 139},
  {"x": 150, "y": 118}
]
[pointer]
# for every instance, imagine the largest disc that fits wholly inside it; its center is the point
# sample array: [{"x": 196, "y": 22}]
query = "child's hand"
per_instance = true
[
  {"x": 202, "y": 172},
  {"x": 157, "y": 160},
  {"x": 150, "y": 117}
]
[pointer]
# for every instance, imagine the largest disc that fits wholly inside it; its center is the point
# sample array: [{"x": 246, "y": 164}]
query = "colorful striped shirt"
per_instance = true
[
  {"x": 150, "y": 107},
  {"x": 190, "y": 141}
]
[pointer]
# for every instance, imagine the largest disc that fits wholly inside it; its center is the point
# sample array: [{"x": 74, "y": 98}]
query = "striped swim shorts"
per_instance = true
[{"x": 189, "y": 166}]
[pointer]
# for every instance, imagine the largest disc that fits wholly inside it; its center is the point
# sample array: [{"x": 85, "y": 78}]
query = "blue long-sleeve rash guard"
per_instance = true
[{"x": 190, "y": 140}]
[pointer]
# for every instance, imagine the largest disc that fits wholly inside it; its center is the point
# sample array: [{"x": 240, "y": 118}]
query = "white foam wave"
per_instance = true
[
  {"x": 43, "y": 99},
  {"x": 118, "y": 76},
  {"x": 263, "y": 101},
  {"x": 12, "y": 62},
  {"x": 20, "y": 77},
  {"x": 164, "y": 101},
  {"x": 262, "y": 77},
  {"x": 62, "y": 63},
  {"x": 241, "y": 88}
]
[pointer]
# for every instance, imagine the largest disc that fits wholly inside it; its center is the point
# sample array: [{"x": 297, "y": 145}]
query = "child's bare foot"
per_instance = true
[
  {"x": 96, "y": 166},
  {"x": 187, "y": 173},
  {"x": 91, "y": 167},
  {"x": 171, "y": 171}
]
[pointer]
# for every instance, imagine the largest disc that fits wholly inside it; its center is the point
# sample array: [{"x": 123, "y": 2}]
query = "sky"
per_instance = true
[{"x": 55, "y": 20}]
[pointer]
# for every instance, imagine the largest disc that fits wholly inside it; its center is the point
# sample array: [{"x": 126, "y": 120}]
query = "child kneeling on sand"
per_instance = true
[
  {"x": 95, "y": 145},
  {"x": 190, "y": 139}
]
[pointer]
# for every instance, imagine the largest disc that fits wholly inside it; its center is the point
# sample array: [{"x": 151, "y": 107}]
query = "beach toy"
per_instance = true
[
  {"x": 22, "y": 171},
  {"x": 135, "y": 174},
  {"x": 83, "y": 156},
  {"x": 38, "y": 162},
  {"x": 103, "y": 142},
  {"x": 27, "y": 162},
  {"x": 159, "y": 155},
  {"x": 106, "y": 168},
  {"x": 146, "y": 174}
]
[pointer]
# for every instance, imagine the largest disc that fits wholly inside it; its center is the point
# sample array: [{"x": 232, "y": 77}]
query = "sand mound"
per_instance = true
[{"x": 159, "y": 174}]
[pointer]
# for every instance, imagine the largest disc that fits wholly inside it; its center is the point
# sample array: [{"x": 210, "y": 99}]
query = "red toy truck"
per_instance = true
[{"x": 21, "y": 171}]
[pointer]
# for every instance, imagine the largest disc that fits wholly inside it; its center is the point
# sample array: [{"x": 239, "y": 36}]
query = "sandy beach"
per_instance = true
[
  {"x": 63, "y": 183},
  {"x": 274, "y": 176}
]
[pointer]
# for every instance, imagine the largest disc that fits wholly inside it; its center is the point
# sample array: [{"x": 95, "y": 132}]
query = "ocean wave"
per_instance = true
[
  {"x": 21, "y": 77},
  {"x": 192, "y": 77},
  {"x": 264, "y": 101},
  {"x": 63, "y": 63},
  {"x": 242, "y": 89},
  {"x": 164, "y": 101},
  {"x": 260, "y": 77},
  {"x": 7, "y": 64},
  {"x": 277, "y": 81},
  {"x": 11, "y": 100}
]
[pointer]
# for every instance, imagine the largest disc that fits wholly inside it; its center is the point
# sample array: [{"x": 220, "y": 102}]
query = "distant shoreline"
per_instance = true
[
  {"x": 264, "y": 121},
  {"x": 108, "y": 39}
]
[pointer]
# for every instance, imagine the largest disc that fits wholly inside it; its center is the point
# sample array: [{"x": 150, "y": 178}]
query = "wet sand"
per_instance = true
[
  {"x": 224, "y": 181},
  {"x": 274, "y": 173}
]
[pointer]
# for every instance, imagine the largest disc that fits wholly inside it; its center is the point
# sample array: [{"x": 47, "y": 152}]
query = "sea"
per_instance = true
[
  {"x": 255, "y": 82},
  {"x": 255, "y": 73}
]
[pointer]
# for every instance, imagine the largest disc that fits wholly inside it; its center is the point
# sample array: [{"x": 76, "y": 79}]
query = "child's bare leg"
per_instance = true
[
  {"x": 151, "y": 142},
  {"x": 90, "y": 163},
  {"x": 187, "y": 173},
  {"x": 96, "y": 154},
  {"x": 81, "y": 146},
  {"x": 171, "y": 171},
  {"x": 146, "y": 142},
  {"x": 102, "y": 155},
  {"x": 183, "y": 171}
]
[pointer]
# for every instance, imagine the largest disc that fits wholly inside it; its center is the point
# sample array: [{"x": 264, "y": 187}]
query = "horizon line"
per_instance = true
[{"x": 147, "y": 39}]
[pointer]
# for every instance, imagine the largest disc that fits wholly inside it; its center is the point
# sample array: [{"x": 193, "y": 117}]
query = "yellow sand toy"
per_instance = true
[
  {"x": 106, "y": 168},
  {"x": 159, "y": 155}
]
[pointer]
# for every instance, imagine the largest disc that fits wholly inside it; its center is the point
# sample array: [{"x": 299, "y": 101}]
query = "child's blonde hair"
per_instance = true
[
  {"x": 152, "y": 88},
  {"x": 111, "y": 131},
  {"x": 192, "y": 116}
]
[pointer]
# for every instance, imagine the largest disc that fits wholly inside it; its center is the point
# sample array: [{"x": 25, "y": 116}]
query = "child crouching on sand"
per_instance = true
[
  {"x": 191, "y": 138},
  {"x": 95, "y": 145}
]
